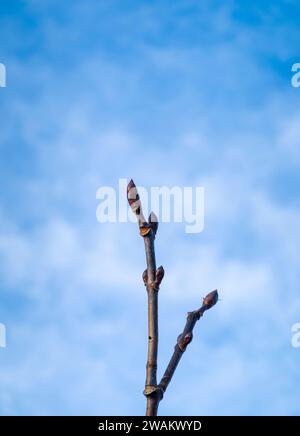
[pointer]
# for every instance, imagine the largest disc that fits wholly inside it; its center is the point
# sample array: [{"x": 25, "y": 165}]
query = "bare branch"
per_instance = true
[
  {"x": 152, "y": 279},
  {"x": 186, "y": 337}
]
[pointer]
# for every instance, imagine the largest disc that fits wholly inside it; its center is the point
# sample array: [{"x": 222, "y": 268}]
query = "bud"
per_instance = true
[
  {"x": 211, "y": 299},
  {"x": 159, "y": 275},
  {"x": 134, "y": 201},
  {"x": 133, "y": 198},
  {"x": 145, "y": 277},
  {"x": 183, "y": 341},
  {"x": 153, "y": 222}
]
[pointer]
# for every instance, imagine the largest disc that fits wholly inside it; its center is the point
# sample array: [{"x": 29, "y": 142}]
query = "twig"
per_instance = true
[
  {"x": 186, "y": 337},
  {"x": 152, "y": 278}
]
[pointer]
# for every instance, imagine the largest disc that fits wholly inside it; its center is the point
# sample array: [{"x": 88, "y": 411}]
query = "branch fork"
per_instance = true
[{"x": 152, "y": 278}]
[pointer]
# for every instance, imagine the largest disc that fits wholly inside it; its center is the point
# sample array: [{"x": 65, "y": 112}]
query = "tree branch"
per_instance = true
[
  {"x": 186, "y": 337},
  {"x": 152, "y": 278}
]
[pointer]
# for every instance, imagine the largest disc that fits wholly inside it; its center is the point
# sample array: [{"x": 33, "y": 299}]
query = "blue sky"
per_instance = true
[{"x": 177, "y": 93}]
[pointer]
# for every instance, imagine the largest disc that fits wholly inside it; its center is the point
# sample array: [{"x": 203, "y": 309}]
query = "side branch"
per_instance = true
[{"x": 186, "y": 337}]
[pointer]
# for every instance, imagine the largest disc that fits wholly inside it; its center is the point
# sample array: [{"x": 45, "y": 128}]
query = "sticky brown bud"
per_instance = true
[
  {"x": 133, "y": 198},
  {"x": 145, "y": 277},
  {"x": 211, "y": 299},
  {"x": 153, "y": 222},
  {"x": 183, "y": 341},
  {"x": 159, "y": 275}
]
